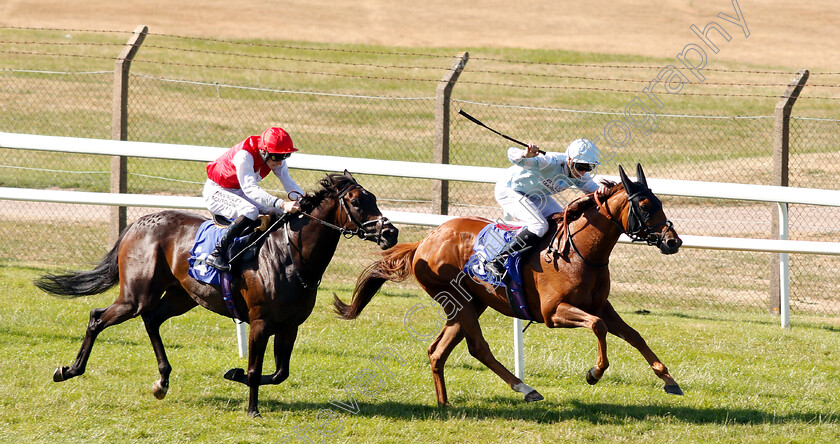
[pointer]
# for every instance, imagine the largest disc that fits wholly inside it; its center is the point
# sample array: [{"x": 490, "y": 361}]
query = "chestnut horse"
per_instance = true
[
  {"x": 566, "y": 279},
  {"x": 275, "y": 293}
]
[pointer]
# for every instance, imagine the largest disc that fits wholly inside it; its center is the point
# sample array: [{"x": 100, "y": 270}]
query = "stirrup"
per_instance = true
[
  {"x": 496, "y": 269},
  {"x": 216, "y": 261}
]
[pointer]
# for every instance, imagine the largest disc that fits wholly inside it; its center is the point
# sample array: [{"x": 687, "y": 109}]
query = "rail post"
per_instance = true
[
  {"x": 119, "y": 127},
  {"x": 518, "y": 334},
  {"x": 779, "y": 274},
  {"x": 440, "y": 195}
]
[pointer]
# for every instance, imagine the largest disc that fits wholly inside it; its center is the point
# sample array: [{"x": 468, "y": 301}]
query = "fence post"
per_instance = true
[
  {"x": 440, "y": 195},
  {"x": 119, "y": 127},
  {"x": 781, "y": 153}
]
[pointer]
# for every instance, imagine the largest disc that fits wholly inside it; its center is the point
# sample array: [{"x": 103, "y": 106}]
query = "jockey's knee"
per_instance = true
[
  {"x": 253, "y": 213},
  {"x": 538, "y": 228}
]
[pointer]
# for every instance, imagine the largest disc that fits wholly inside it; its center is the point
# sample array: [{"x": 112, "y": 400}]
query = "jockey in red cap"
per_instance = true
[{"x": 231, "y": 188}]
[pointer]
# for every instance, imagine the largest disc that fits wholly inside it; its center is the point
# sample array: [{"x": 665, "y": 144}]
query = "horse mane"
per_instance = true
[
  {"x": 331, "y": 185},
  {"x": 576, "y": 209}
]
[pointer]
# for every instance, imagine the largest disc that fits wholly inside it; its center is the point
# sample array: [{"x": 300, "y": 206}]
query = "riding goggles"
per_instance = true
[
  {"x": 585, "y": 167},
  {"x": 278, "y": 157}
]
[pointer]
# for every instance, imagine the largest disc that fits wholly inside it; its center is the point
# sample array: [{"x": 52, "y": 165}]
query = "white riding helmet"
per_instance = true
[{"x": 583, "y": 151}]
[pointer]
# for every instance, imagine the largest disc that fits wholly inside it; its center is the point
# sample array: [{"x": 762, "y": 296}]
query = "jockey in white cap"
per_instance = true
[{"x": 525, "y": 190}]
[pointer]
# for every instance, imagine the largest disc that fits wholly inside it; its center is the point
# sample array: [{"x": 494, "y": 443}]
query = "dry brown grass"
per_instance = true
[{"x": 783, "y": 33}]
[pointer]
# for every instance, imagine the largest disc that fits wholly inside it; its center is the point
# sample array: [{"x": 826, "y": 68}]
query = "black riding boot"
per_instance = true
[
  {"x": 521, "y": 243},
  {"x": 218, "y": 258}
]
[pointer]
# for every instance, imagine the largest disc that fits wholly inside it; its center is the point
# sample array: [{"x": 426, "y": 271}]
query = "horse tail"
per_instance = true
[
  {"x": 395, "y": 265},
  {"x": 84, "y": 283}
]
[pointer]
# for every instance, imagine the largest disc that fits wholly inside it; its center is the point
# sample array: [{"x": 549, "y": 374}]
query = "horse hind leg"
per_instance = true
[
  {"x": 100, "y": 319},
  {"x": 439, "y": 350},
  {"x": 480, "y": 349},
  {"x": 174, "y": 303}
]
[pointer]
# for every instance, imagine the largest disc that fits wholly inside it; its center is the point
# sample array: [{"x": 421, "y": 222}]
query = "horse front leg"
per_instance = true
[
  {"x": 284, "y": 342},
  {"x": 256, "y": 353},
  {"x": 439, "y": 351},
  {"x": 569, "y": 316},
  {"x": 257, "y": 342},
  {"x": 618, "y": 327}
]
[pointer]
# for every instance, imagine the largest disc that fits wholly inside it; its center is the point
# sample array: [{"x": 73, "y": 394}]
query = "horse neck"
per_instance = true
[
  {"x": 595, "y": 234},
  {"x": 313, "y": 244}
]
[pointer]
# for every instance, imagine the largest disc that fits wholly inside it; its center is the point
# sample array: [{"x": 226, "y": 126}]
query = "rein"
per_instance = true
[
  {"x": 347, "y": 233},
  {"x": 569, "y": 241},
  {"x": 568, "y": 234},
  {"x": 605, "y": 204},
  {"x": 642, "y": 232},
  {"x": 260, "y": 237},
  {"x": 360, "y": 231},
  {"x": 562, "y": 229}
]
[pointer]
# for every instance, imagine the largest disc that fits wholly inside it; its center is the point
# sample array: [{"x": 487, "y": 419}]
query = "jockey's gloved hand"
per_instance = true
[
  {"x": 291, "y": 206},
  {"x": 274, "y": 211},
  {"x": 532, "y": 150}
]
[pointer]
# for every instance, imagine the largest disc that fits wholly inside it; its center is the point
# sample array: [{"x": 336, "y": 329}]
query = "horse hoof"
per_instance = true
[
  {"x": 159, "y": 390},
  {"x": 673, "y": 389},
  {"x": 235, "y": 374},
  {"x": 58, "y": 376},
  {"x": 254, "y": 414},
  {"x": 590, "y": 378},
  {"x": 533, "y": 396}
]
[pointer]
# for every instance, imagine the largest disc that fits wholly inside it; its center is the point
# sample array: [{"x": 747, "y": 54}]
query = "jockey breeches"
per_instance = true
[
  {"x": 228, "y": 202},
  {"x": 530, "y": 209}
]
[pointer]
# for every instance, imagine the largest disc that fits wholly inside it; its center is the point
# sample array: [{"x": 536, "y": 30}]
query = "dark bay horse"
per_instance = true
[
  {"x": 275, "y": 293},
  {"x": 566, "y": 279}
]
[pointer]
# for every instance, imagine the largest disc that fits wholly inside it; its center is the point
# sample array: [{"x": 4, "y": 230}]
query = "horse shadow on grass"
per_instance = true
[{"x": 495, "y": 408}]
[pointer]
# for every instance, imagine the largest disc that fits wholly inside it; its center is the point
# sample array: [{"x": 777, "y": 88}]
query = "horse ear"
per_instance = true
[
  {"x": 640, "y": 175},
  {"x": 347, "y": 173},
  {"x": 624, "y": 180}
]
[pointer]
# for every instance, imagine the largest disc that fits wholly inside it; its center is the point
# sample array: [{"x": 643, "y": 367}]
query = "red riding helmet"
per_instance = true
[{"x": 277, "y": 140}]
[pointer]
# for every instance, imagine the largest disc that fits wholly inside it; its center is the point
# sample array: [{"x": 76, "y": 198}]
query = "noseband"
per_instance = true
[
  {"x": 361, "y": 227},
  {"x": 346, "y": 232},
  {"x": 637, "y": 228}
]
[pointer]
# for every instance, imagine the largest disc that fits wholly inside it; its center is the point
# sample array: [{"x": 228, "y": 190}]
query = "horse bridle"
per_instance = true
[
  {"x": 361, "y": 227},
  {"x": 637, "y": 228},
  {"x": 346, "y": 232}
]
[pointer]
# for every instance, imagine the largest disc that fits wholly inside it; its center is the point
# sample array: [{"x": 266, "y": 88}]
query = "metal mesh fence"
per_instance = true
[
  {"x": 814, "y": 161},
  {"x": 400, "y": 127}
]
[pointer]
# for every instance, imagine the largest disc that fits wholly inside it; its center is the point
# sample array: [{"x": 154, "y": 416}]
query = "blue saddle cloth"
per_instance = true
[
  {"x": 206, "y": 238},
  {"x": 489, "y": 242}
]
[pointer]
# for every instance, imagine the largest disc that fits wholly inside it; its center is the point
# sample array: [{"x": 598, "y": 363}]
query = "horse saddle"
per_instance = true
[
  {"x": 488, "y": 243},
  {"x": 242, "y": 250}
]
